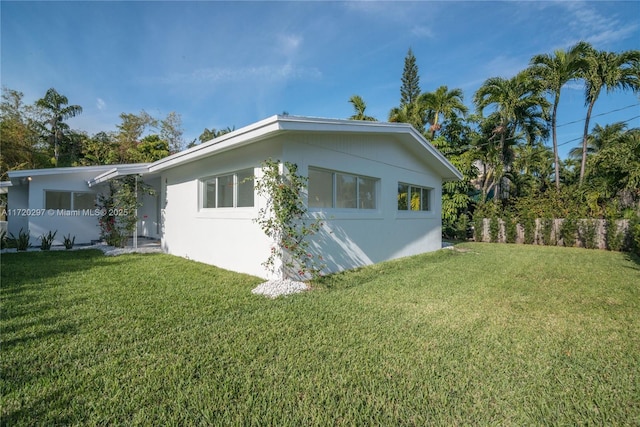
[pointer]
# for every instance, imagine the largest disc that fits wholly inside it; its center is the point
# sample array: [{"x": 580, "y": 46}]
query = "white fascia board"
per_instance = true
[
  {"x": 4, "y": 186},
  {"x": 118, "y": 171},
  {"x": 235, "y": 139},
  {"x": 57, "y": 171}
]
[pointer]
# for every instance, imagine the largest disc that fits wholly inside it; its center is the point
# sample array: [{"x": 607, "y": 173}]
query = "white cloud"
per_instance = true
[
  {"x": 289, "y": 43},
  {"x": 100, "y": 104},
  {"x": 422, "y": 31},
  {"x": 594, "y": 27},
  {"x": 505, "y": 66},
  {"x": 261, "y": 73}
]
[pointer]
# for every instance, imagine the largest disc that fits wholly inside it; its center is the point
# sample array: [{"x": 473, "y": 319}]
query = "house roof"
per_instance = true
[
  {"x": 280, "y": 124},
  {"x": 103, "y": 172},
  {"x": 120, "y": 170},
  {"x": 251, "y": 134},
  {"x": 4, "y": 186}
]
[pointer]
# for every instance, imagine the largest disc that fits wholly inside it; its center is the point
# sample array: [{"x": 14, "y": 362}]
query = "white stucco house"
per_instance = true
[{"x": 361, "y": 175}]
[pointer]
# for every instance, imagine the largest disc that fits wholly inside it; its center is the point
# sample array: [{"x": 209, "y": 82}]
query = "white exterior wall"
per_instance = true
[
  {"x": 356, "y": 237},
  {"x": 149, "y": 212},
  {"x": 17, "y": 198},
  {"x": 225, "y": 237},
  {"x": 83, "y": 227},
  {"x": 229, "y": 238}
]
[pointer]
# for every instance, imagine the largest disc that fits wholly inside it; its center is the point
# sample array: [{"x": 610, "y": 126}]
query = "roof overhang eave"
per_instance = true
[{"x": 119, "y": 171}]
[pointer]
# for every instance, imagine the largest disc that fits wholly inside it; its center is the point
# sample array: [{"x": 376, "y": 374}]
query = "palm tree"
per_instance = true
[
  {"x": 554, "y": 71},
  {"x": 409, "y": 113},
  {"x": 443, "y": 102},
  {"x": 359, "y": 106},
  {"x": 517, "y": 102},
  {"x": 608, "y": 70},
  {"x": 599, "y": 138},
  {"x": 56, "y": 110}
]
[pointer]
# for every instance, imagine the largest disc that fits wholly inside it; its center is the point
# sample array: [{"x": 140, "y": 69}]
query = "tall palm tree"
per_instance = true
[
  {"x": 554, "y": 71},
  {"x": 516, "y": 102},
  {"x": 56, "y": 110},
  {"x": 359, "y": 106},
  {"x": 442, "y": 102},
  {"x": 608, "y": 70}
]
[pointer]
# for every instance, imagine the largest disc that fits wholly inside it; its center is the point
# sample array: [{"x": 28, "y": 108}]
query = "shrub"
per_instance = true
[
  {"x": 529, "y": 225},
  {"x": 494, "y": 229},
  {"x": 478, "y": 227},
  {"x": 46, "y": 240},
  {"x": 68, "y": 241},
  {"x": 633, "y": 235},
  {"x": 546, "y": 228},
  {"x": 461, "y": 227},
  {"x": 613, "y": 238},
  {"x": 588, "y": 233},
  {"x": 510, "y": 228},
  {"x": 568, "y": 231},
  {"x": 21, "y": 242},
  {"x": 3, "y": 239}
]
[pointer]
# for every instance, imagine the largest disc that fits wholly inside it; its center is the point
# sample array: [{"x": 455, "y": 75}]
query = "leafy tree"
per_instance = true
[
  {"x": 554, "y": 71},
  {"x": 171, "y": 132},
  {"x": 101, "y": 149},
  {"x": 457, "y": 196},
  {"x": 55, "y": 109},
  {"x": 608, "y": 70},
  {"x": 19, "y": 136},
  {"x": 517, "y": 103},
  {"x": 442, "y": 102},
  {"x": 150, "y": 149},
  {"x": 72, "y": 148},
  {"x": 359, "y": 107},
  {"x": 130, "y": 131},
  {"x": 614, "y": 171},
  {"x": 209, "y": 134}
]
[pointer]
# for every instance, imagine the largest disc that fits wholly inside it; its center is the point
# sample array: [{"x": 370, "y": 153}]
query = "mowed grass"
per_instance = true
[{"x": 480, "y": 335}]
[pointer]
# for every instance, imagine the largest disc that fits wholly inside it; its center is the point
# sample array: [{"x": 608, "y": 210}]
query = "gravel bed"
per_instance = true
[
  {"x": 276, "y": 288},
  {"x": 106, "y": 249}
]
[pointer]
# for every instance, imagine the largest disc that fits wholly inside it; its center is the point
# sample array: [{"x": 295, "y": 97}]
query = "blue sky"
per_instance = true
[{"x": 222, "y": 64}]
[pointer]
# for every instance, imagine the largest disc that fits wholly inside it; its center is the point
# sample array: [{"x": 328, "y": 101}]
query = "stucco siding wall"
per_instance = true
[
  {"x": 18, "y": 198},
  {"x": 229, "y": 238},
  {"x": 225, "y": 237},
  {"x": 83, "y": 227},
  {"x": 352, "y": 237}
]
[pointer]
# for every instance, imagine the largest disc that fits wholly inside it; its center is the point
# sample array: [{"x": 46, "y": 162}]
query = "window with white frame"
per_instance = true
[
  {"x": 413, "y": 197},
  {"x": 331, "y": 189},
  {"x": 234, "y": 190},
  {"x": 69, "y": 200}
]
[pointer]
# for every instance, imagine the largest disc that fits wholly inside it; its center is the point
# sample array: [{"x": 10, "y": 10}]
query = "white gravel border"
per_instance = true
[
  {"x": 276, "y": 288},
  {"x": 106, "y": 249}
]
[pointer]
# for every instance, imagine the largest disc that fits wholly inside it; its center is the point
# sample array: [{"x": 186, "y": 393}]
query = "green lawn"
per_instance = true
[{"x": 486, "y": 334}]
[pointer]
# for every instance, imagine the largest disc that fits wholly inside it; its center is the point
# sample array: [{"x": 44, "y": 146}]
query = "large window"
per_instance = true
[
  {"x": 69, "y": 200},
  {"x": 233, "y": 190},
  {"x": 329, "y": 189},
  {"x": 413, "y": 198}
]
